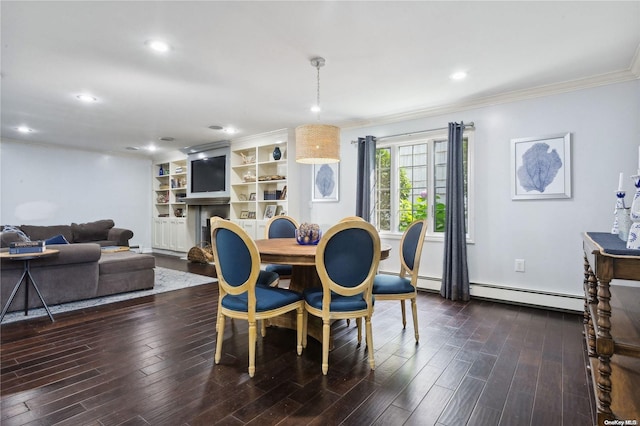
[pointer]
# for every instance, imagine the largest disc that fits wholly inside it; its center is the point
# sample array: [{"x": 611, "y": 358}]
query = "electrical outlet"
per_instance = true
[{"x": 519, "y": 265}]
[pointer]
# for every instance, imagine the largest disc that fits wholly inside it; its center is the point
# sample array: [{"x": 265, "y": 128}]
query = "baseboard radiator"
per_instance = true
[{"x": 518, "y": 296}]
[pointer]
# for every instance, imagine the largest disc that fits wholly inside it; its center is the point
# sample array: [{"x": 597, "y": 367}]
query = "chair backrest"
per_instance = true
[
  {"x": 236, "y": 257},
  {"x": 348, "y": 218},
  {"x": 281, "y": 227},
  {"x": 347, "y": 259},
  {"x": 411, "y": 248}
]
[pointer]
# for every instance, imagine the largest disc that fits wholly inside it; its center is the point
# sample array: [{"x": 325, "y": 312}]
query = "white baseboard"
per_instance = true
[{"x": 528, "y": 297}]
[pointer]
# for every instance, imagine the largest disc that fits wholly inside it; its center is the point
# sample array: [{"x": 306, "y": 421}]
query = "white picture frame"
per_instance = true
[
  {"x": 326, "y": 183},
  {"x": 541, "y": 167},
  {"x": 269, "y": 211}
]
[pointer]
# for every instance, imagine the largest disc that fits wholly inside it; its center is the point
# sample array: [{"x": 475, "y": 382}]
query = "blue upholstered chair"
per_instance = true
[
  {"x": 403, "y": 286},
  {"x": 280, "y": 227},
  {"x": 347, "y": 259},
  {"x": 241, "y": 296}
]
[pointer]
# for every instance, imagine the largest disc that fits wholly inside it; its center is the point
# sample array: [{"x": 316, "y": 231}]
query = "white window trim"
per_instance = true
[{"x": 430, "y": 138}]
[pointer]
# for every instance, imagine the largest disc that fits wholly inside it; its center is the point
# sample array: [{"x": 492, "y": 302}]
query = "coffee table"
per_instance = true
[{"x": 27, "y": 278}]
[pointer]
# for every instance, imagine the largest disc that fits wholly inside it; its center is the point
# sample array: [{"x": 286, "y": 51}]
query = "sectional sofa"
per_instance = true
[{"x": 81, "y": 270}]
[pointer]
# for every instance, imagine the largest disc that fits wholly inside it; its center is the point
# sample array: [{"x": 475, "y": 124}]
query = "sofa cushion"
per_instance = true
[
  {"x": 36, "y": 232},
  {"x": 91, "y": 231},
  {"x": 6, "y": 238},
  {"x": 123, "y": 261},
  {"x": 58, "y": 239}
]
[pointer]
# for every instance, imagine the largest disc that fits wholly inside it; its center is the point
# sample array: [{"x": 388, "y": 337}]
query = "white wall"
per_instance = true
[
  {"x": 604, "y": 123},
  {"x": 42, "y": 185}
]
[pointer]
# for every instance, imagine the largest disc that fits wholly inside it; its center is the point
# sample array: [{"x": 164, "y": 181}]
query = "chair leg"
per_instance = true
[
  {"x": 326, "y": 335},
  {"x": 252, "y": 348},
  {"x": 220, "y": 337},
  {"x": 305, "y": 319},
  {"x": 359, "y": 325},
  {"x": 299, "y": 327},
  {"x": 370, "y": 350},
  {"x": 414, "y": 309},
  {"x": 404, "y": 314}
]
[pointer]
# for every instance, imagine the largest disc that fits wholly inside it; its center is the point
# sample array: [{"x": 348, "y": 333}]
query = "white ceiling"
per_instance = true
[{"x": 246, "y": 64}]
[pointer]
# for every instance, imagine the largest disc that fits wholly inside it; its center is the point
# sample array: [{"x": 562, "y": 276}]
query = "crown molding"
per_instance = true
[{"x": 632, "y": 73}]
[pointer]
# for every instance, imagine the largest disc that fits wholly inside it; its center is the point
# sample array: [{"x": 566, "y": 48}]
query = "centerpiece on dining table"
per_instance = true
[{"x": 308, "y": 234}]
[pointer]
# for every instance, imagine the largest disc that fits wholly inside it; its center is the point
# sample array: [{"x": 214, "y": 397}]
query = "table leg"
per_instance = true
[
  {"x": 27, "y": 278},
  {"x": 604, "y": 346},
  {"x": 13, "y": 295}
]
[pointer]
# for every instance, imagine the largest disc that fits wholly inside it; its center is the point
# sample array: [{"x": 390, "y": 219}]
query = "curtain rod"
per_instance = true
[{"x": 470, "y": 125}]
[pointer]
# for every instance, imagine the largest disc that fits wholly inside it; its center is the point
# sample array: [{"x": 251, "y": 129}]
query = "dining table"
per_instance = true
[{"x": 302, "y": 258}]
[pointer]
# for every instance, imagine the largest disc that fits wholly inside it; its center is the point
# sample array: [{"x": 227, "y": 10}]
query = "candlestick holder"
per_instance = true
[
  {"x": 615, "y": 229},
  {"x": 633, "y": 240}
]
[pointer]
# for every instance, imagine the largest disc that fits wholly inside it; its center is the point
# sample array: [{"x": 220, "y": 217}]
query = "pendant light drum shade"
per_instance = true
[{"x": 317, "y": 144}]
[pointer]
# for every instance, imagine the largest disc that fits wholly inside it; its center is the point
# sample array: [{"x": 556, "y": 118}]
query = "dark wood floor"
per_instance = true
[{"x": 150, "y": 361}]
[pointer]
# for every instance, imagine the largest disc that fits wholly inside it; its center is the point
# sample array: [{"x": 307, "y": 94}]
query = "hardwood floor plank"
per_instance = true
[{"x": 462, "y": 402}]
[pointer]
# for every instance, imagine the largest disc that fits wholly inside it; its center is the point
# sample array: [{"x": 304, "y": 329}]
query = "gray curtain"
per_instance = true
[
  {"x": 455, "y": 275},
  {"x": 365, "y": 195}
]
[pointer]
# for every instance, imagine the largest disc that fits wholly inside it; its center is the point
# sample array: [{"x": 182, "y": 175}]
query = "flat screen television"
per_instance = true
[{"x": 208, "y": 174}]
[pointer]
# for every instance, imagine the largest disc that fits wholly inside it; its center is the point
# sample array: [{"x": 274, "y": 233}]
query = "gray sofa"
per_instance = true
[
  {"x": 102, "y": 232},
  {"x": 79, "y": 271}
]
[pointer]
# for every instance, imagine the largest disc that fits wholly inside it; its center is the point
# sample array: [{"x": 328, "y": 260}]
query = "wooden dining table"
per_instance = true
[{"x": 302, "y": 258}]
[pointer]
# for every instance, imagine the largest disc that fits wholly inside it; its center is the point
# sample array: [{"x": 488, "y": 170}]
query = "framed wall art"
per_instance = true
[
  {"x": 541, "y": 167},
  {"x": 326, "y": 182}
]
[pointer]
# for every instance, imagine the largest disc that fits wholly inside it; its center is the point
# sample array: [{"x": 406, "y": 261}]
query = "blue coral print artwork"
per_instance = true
[
  {"x": 539, "y": 167},
  {"x": 325, "y": 182}
]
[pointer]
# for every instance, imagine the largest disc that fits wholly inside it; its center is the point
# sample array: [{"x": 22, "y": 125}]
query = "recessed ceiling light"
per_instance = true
[
  {"x": 215, "y": 127},
  {"x": 315, "y": 108},
  {"x": 158, "y": 45},
  {"x": 24, "y": 129},
  {"x": 460, "y": 75},
  {"x": 132, "y": 148},
  {"x": 151, "y": 147},
  {"x": 84, "y": 97},
  {"x": 167, "y": 139},
  {"x": 230, "y": 130}
]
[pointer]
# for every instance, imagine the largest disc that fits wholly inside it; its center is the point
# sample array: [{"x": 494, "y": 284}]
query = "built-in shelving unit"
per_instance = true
[
  {"x": 260, "y": 184},
  {"x": 170, "y": 210}
]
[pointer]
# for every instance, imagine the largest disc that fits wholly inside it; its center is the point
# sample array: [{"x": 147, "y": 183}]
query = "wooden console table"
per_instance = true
[{"x": 612, "y": 325}]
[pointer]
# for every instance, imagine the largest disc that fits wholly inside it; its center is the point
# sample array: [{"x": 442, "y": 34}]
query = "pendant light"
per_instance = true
[{"x": 317, "y": 143}]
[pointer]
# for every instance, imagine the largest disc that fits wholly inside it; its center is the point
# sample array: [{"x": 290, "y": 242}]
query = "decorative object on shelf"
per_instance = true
[
  {"x": 541, "y": 167},
  {"x": 252, "y": 215},
  {"x": 633, "y": 240},
  {"x": 269, "y": 211},
  {"x": 252, "y": 196},
  {"x": 242, "y": 197},
  {"x": 249, "y": 176},
  {"x": 161, "y": 171},
  {"x": 615, "y": 229},
  {"x": 317, "y": 143},
  {"x": 326, "y": 182},
  {"x": 270, "y": 177},
  {"x": 178, "y": 212},
  {"x": 244, "y": 214},
  {"x": 283, "y": 194},
  {"x": 161, "y": 199},
  {"x": 248, "y": 159},
  {"x": 277, "y": 154},
  {"x": 308, "y": 234}
]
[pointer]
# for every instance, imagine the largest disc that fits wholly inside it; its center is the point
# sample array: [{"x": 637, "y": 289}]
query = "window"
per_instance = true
[{"x": 411, "y": 178}]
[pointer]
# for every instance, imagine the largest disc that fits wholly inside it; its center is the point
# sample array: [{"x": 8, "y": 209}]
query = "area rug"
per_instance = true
[{"x": 165, "y": 280}]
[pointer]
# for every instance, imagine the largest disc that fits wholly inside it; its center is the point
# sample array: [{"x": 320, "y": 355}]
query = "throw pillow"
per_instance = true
[
  {"x": 11, "y": 228},
  {"x": 91, "y": 231},
  {"x": 58, "y": 239}
]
